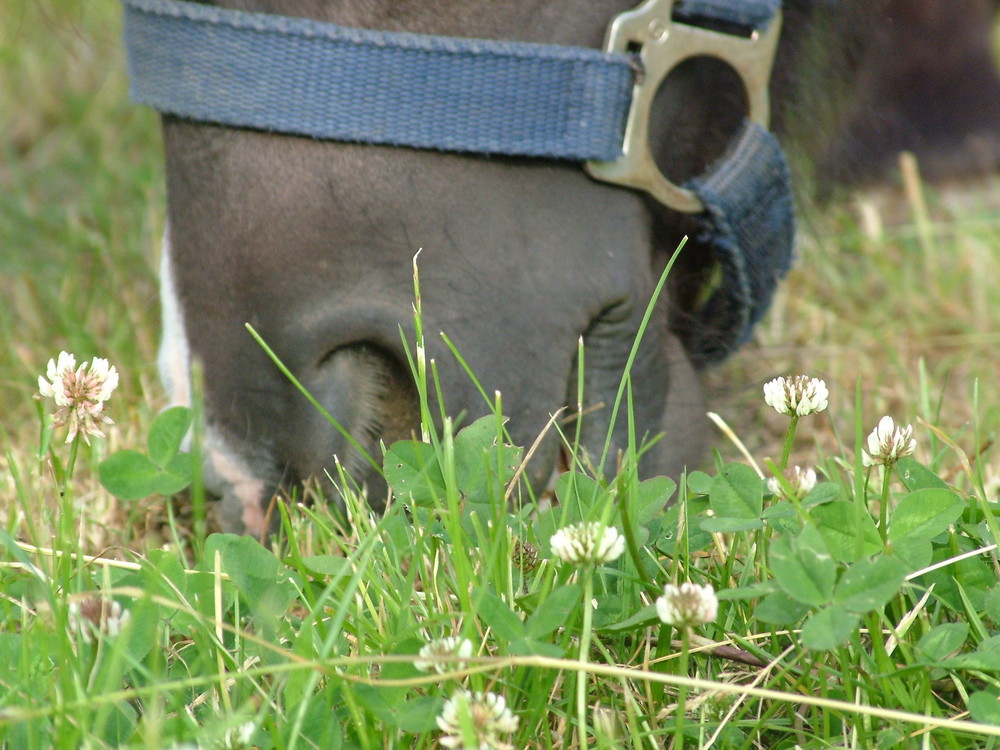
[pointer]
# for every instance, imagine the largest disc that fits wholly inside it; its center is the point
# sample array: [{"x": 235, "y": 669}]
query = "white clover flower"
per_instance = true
[
  {"x": 451, "y": 646},
  {"x": 584, "y": 543},
  {"x": 687, "y": 605},
  {"x": 96, "y": 615},
  {"x": 796, "y": 396},
  {"x": 605, "y": 724},
  {"x": 239, "y": 737},
  {"x": 475, "y": 721},
  {"x": 801, "y": 481},
  {"x": 79, "y": 393},
  {"x": 888, "y": 443}
]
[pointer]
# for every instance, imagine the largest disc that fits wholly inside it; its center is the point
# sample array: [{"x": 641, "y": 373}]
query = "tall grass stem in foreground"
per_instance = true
[
  {"x": 640, "y": 333},
  {"x": 311, "y": 399}
]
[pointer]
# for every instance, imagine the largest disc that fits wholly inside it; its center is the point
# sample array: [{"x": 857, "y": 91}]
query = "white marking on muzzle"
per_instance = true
[
  {"x": 229, "y": 474},
  {"x": 174, "y": 358}
]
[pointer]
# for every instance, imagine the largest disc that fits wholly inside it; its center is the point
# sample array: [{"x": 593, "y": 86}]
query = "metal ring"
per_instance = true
[{"x": 665, "y": 43}]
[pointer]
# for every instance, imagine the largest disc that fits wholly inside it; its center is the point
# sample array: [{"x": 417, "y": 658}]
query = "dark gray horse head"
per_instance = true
[{"x": 311, "y": 241}]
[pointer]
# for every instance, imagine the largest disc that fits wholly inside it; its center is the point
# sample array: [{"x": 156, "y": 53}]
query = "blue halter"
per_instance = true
[{"x": 320, "y": 80}]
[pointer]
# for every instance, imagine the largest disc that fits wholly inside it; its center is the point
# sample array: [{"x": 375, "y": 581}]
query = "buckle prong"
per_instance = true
[{"x": 664, "y": 43}]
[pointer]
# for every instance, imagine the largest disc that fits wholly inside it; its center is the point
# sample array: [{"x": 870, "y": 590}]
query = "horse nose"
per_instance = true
[{"x": 367, "y": 398}]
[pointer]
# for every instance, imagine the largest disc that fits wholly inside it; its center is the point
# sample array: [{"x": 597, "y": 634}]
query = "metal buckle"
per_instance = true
[{"x": 665, "y": 43}]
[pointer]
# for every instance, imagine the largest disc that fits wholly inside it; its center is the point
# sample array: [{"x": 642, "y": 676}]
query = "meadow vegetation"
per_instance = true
[{"x": 861, "y": 610}]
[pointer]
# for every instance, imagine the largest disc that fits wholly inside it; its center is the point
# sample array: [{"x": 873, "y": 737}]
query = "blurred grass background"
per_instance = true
[
  {"x": 81, "y": 204},
  {"x": 81, "y": 185},
  {"x": 895, "y": 291},
  {"x": 905, "y": 301}
]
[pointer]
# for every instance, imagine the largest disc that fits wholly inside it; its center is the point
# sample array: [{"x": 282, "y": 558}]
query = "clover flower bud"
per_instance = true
[
  {"x": 238, "y": 737},
  {"x": 687, "y": 605},
  {"x": 606, "y": 724},
  {"x": 800, "y": 480},
  {"x": 888, "y": 443},
  {"x": 450, "y": 647},
  {"x": 95, "y": 616},
  {"x": 475, "y": 721},
  {"x": 584, "y": 543},
  {"x": 524, "y": 555}
]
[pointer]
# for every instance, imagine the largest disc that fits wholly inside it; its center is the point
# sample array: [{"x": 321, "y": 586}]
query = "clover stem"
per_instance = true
[
  {"x": 883, "y": 510},
  {"x": 68, "y": 474},
  {"x": 581, "y": 676},
  {"x": 789, "y": 438},
  {"x": 66, "y": 534},
  {"x": 681, "y": 691}
]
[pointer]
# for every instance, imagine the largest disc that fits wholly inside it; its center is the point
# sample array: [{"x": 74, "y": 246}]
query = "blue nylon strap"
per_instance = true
[
  {"x": 749, "y": 14},
  {"x": 749, "y": 222},
  {"x": 316, "y": 79}
]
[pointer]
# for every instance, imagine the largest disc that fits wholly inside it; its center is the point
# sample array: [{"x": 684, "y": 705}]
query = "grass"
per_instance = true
[
  {"x": 81, "y": 204},
  {"x": 906, "y": 308},
  {"x": 313, "y": 643}
]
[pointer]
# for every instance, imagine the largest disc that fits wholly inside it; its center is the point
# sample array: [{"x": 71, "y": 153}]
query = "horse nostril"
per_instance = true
[
  {"x": 384, "y": 400},
  {"x": 370, "y": 394}
]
